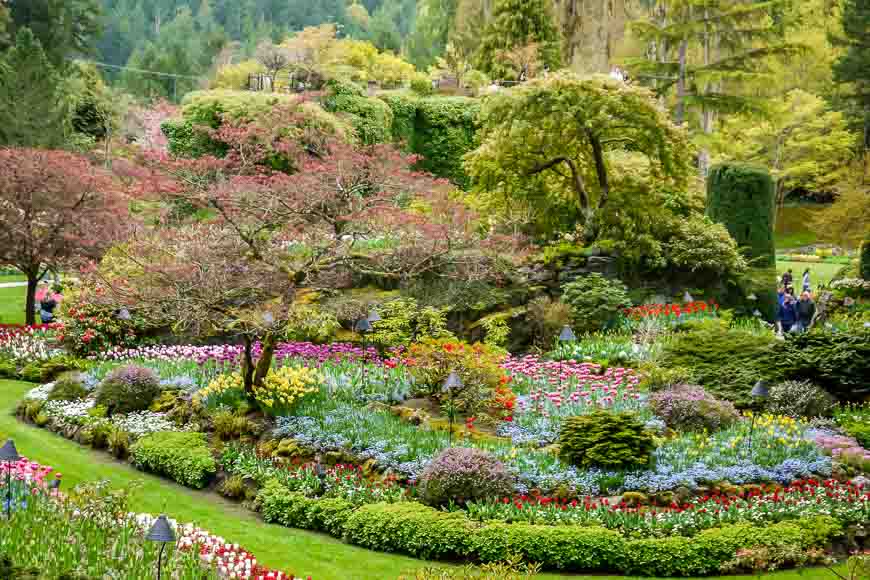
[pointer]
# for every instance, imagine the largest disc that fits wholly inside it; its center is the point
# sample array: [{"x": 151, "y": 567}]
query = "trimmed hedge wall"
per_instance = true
[
  {"x": 371, "y": 118},
  {"x": 742, "y": 198},
  {"x": 420, "y": 531},
  {"x": 441, "y": 130}
]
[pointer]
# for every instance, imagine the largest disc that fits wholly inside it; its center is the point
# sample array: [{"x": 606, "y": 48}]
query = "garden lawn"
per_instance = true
[
  {"x": 296, "y": 551},
  {"x": 12, "y": 304},
  {"x": 820, "y": 272}
]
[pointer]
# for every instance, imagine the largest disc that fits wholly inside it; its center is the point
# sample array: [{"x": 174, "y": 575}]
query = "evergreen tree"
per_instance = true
[
  {"x": 63, "y": 27},
  {"x": 429, "y": 40},
  {"x": 514, "y": 24},
  {"x": 34, "y": 110},
  {"x": 853, "y": 67}
]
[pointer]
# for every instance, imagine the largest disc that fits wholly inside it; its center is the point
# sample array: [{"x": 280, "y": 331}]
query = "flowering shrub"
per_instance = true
[
  {"x": 127, "y": 389},
  {"x": 799, "y": 399},
  {"x": 431, "y": 361},
  {"x": 845, "y": 450},
  {"x": 284, "y": 387},
  {"x": 613, "y": 440},
  {"x": 463, "y": 474},
  {"x": 89, "y": 328},
  {"x": 848, "y": 503},
  {"x": 143, "y": 423},
  {"x": 691, "y": 408}
]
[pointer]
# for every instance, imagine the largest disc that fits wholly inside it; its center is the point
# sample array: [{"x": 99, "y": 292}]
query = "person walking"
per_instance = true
[
  {"x": 806, "y": 310},
  {"x": 805, "y": 283},
  {"x": 787, "y": 279},
  {"x": 787, "y": 314}
]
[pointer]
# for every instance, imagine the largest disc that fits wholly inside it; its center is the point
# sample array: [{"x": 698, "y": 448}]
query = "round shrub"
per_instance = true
[
  {"x": 127, "y": 389},
  {"x": 691, "y": 408},
  {"x": 603, "y": 439},
  {"x": 799, "y": 399},
  {"x": 595, "y": 301},
  {"x": 68, "y": 387},
  {"x": 462, "y": 474}
]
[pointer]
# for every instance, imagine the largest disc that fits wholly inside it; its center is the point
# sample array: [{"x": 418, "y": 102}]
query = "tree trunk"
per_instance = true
[
  {"x": 681, "y": 83},
  {"x": 264, "y": 363},
  {"x": 248, "y": 366},
  {"x": 30, "y": 302}
]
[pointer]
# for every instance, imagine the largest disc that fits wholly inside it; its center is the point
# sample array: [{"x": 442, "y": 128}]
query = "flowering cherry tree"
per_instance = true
[
  {"x": 56, "y": 208},
  {"x": 330, "y": 213}
]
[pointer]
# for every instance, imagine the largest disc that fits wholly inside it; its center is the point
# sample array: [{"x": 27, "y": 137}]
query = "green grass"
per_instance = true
[
  {"x": 12, "y": 305},
  {"x": 296, "y": 551},
  {"x": 784, "y": 241},
  {"x": 820, "y": 272}
]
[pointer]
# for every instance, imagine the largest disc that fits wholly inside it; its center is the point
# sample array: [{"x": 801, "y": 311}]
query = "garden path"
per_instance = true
[
  {"x": 12, "y": 284},
  {"x": 297, "y": 551}
]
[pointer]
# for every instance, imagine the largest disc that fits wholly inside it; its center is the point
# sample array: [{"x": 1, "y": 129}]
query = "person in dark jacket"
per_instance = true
[
  {"x": 787, "y": 278},
  {"x": 806, "y": 310},
  {"x": 787, "y": 313}
]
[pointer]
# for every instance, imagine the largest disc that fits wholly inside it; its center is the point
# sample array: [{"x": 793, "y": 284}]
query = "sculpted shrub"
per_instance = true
[
  {"x": 128, "y": 389},
  {"x": 608, "y": 440},
  {"x": 691, "y": 408},
  {"x": 185, "y": 457},
  {"x": 595, "y": 301},
  {"x": 463, "y": 474}
]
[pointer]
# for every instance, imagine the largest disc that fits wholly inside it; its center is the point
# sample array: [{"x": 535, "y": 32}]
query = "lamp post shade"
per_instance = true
[
  {"x": 124, "y": 314},
  {"x": 567, "y": 335},
  {"x": 452, "y": 383},
  {"x": 8, "y": 453},
  {"x": 161, "y": 531},
  {"x": 374, "y": 316},
  {"x": 760, "y": 390},
  {"x": 363, "y": 325}
]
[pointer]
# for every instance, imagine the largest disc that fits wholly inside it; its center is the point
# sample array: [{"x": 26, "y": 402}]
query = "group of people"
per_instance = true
[{"x": 795, "y": 314}]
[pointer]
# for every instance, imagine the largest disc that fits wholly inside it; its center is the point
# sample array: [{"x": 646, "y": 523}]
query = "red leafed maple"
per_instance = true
[
  {"x": 55, "y": 208},
  {"x": 333, "y": 210}
]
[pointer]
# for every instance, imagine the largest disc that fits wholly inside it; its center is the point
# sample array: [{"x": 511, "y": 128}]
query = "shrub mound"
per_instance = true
[
  {"x": 799, "y": 399},
  {"x": 68, "y": 387},
  {"x": 128, "y": 389},
  {"x": 595, "y": 301},
  {"x": 603, "y": 439},
  {"x": 691, "y": 408},
  {"x": 463, "y": 474},
  {"x": 184, "y": 457}
]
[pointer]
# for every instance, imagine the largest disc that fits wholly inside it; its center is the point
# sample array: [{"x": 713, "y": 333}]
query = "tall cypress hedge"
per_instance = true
[{"x": 741, "y": 197}]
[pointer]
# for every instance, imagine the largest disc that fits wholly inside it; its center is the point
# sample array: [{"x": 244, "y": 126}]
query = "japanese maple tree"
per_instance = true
[
  {"x": 55, "y": 208},
  {"x": 335, "y": 211}
]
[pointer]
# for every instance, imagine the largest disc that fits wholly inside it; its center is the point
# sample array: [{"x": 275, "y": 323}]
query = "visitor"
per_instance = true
[
  {"x": 780, "y": 296},
  {"x": 787, "y": 279},
  {"x": 806, "y": 281},
  {"x": 787, "y": 314},
  {"x": 806, "y": 310},
  {"x": 48, "y": 299}
]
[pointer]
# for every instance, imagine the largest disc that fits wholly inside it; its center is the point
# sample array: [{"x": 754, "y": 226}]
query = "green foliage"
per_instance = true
[
  {"x": 68, "y": 387},
  {"x": 308, "y": 322},
  {"x": 371, "y": 118},
  {"x": 441, "y": 130},
  {"x": 742, "y": 198},
  {"x": 838, "y": 362},
  {"x": 603, "y": 439},
  {"x": 799, "y": 399},
  {"x": 517, "y": 23},
  {"x": 854, "y": 419},
  {"x": 460, "y": 474},
  {"x": 292, "y": 509},
  {"x": 422, "y": 85},
  {"x": 42, "y": 371},
  {"x": 184, "y": 457},
  {"x": 725, "y": 361},
  {"x": 403, "y": 322},
  {"x": 852, "y": 68},
  {"x": 497, "y": 331},
  {"x": 595, "y": 301},
  {"x": 698, "y": 244},
  {"x": 128, "y": 389},
  {"x": 410, "y": 528}
]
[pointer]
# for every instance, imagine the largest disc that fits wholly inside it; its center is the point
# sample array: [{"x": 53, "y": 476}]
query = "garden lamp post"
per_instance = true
[
  {"x": 9, "y": 455},
  {"x": 567, "y": 335},
  {"x": 759, "y": 392},
  {"x": 451, "y": 385},
  {"x": 161, "y": 532}
]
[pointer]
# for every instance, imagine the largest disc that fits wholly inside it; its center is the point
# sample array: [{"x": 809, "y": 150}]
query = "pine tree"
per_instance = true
[
  {"x": 853, "y": 67},
  {"x": 515, "y": 24},
  {"x": 34, "y": 110},
  {"x": 64, "y": 28}
]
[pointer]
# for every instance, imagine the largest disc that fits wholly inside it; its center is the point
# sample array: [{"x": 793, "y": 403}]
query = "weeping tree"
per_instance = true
[{"x": 340, "y": 213}]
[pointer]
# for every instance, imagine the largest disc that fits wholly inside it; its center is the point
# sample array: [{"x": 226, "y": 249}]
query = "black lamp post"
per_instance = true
[
  {"x": 161, "y": 532},
  {"x": 451, "y": 385},
  {"x": 9, "y": 455},
  {"x": 759, "y": 392},
  {"x": 567, "y": 335}
]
